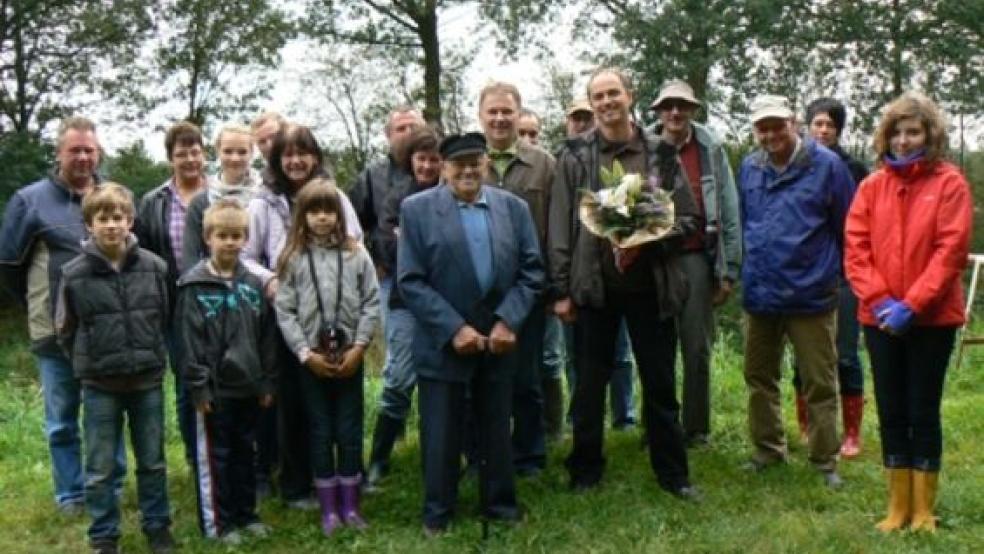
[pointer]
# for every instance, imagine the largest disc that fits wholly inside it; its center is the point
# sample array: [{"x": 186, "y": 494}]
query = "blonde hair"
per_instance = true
[
  {"x": 913, "y": 105},
  {"x": 264, "y": 117},
  {"x": 225, "y": 213},
  {"x": 233, "y": 129},
  {"x": 108, "y": 197},
  {"x": 500, "y": 87}
]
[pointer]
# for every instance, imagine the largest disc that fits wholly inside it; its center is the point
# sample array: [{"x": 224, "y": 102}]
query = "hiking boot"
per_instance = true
[{"x": 160, "y": 541}]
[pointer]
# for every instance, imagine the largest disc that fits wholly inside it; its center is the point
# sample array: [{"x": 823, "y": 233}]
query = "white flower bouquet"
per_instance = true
[{"x": 628, "y": 211}]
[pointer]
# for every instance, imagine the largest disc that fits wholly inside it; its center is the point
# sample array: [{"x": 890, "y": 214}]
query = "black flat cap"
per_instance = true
[{"x": 456, "y": 146}]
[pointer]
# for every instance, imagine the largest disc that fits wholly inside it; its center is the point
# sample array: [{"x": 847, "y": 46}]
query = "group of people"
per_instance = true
[{"x": 263, "y": 289}]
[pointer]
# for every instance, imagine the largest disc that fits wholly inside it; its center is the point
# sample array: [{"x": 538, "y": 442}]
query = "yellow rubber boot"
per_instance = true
[
  {"x": 899, "y": 500},
  {"x": 924, "y": 486}
]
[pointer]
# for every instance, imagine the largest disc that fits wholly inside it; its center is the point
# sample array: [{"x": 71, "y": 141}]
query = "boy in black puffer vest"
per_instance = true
[
  {"x": 230, "y": 335},
  {"x": 111, "y": 315}
]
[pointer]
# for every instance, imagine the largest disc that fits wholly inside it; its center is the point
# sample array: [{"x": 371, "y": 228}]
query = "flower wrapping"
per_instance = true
[{"x": 629, "y": 211}]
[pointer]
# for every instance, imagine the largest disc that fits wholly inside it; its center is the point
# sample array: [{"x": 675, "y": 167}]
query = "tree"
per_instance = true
[
  {"x": 51, "y": 52},
  {"x": 410, "y": 32},
  {"x": 353, "y": 108},
  {"x": 24, "y": 159},
  {"x": 205, "y": 51},
  {"x": 133, "y": 167}
]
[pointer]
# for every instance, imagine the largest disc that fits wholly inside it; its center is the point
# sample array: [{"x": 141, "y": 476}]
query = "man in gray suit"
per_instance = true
[{"x": 469, "y": 268}]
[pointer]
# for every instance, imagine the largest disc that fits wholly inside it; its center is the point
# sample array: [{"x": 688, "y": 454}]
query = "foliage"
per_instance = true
[
  {"x": 355, "y": 109},
  {"x": 24, "y": 159},
  {"x": 52, "y": 54},
  {"x": 410, "y": 32},
  {"x": 133, "y": 167},
  {"x": 205, "y": 50},
  {"x": 864, "y": 53}
]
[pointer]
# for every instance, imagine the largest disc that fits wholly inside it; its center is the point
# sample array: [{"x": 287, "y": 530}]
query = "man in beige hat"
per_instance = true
[
  {"x": 794, "y": 197},
  {"x": 712, "y": 257},
  {"x": 580, "y": 118}
]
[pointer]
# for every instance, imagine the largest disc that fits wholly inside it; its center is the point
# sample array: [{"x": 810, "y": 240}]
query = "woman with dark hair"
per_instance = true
[
  {"x": 825, "y": 120},
  {"x": 906, "y": 242},
  {"x": 295, "y": 160},
  {"x": 419, "y": 157}
]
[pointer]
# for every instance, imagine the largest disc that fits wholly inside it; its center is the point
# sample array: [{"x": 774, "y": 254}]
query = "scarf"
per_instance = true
[
  {"x": 242, "y": 192},
  {"x": 907, "y": 166}
]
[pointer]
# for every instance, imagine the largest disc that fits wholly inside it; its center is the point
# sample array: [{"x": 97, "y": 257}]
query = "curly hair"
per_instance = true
[{"x": 913, "y": 105}]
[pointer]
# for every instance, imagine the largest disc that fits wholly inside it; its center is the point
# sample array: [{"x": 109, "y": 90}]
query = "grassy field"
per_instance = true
[{"x": 784, "y": 510}]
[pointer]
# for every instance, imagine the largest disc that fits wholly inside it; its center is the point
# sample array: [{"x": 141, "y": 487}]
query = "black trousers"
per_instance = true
[
  {"x": 443, "y": 425},
  {"x": 528, "y": 435},
  {"x": 909, "y": 372},
  {"x": 335, "y": 410},
  {"x": 293, "y": 432},
  {"x": 224, "y": 465},
  {"x": 654, "y": 346}
]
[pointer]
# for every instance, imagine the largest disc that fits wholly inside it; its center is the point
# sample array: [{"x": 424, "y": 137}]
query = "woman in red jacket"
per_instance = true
[{"x": 906, "y": 241}]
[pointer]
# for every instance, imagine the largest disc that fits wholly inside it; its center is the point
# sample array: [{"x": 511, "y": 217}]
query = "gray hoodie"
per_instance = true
[{"x": 297, "y": 302}]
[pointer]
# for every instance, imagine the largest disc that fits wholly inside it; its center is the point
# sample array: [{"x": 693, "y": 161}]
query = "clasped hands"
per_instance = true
[
  {"x": 893, "y": 316},
  {"x": 320, "y": 366},
  {"x": 468, "y": 341}
]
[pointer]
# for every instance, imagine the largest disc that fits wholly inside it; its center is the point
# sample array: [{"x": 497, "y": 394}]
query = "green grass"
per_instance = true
[{"x": 784, "y": 510}]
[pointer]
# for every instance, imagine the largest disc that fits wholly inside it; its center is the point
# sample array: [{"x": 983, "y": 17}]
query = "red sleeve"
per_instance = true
[
  {"x": 866, "y": 280},
  {"x": 950, "y": 245}
]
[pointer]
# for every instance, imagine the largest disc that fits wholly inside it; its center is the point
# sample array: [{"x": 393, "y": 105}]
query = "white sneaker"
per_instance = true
[
  {"x": 232, "y": 538},
  {"x": 305, "y": 504},
  {"x": 258, "y": 529}
]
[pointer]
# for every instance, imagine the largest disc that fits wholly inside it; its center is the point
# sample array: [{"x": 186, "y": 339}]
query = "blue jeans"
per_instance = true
[
  {"x": 399, "y": 376},
  {"x": 62, "y": 396},
  {"x": 61, "y": 426},
  {"x": 103, "y": 422},
  {"x": 620, "y": 385}
]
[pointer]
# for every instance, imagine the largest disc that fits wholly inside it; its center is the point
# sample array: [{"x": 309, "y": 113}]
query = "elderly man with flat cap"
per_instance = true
[
  {"x": 469, "y": 268},
  {"x": 711, "y": 257},
  {"x": 794, "y": 196}
]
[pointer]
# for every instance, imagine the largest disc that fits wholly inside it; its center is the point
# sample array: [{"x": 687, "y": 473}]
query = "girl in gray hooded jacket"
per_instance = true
[{"x": 328, "y": 307}]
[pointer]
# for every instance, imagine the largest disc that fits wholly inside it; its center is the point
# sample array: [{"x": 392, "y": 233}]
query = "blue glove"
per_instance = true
[
  {"x": 898, "y": 319},
  {"x": 880, "y": 310}
]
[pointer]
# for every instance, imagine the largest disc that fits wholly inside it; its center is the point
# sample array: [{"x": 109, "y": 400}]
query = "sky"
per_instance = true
[{"x": 457, "y": 25}]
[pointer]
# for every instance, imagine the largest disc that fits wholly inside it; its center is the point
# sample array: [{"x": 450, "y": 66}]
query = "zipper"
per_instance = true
[{"x": 122, "y": 289}]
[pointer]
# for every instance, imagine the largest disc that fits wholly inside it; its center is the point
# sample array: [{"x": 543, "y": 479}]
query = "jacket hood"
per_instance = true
[
  {"x": 199, "y": 274},
  {"x": 90, "y": 248}
]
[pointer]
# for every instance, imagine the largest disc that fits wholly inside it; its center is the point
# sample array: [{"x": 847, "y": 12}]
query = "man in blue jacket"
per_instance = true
[
  {"x": 42, "y": 230},
  {"x": 794, "y": 196},
  {"x": 469, "y": 268}
]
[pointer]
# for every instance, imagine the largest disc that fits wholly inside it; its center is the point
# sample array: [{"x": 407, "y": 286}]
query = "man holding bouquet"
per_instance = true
[{"x": 600, "y": 278}]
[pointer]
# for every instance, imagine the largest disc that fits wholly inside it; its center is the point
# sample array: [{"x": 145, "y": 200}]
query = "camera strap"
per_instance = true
[{"x": 317, "y": 289}]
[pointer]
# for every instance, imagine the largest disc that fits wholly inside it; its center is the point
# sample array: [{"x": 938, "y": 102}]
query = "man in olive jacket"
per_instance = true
[
  {"x": 528, "y": 172},
  {"x": 597, "y": 285}
]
